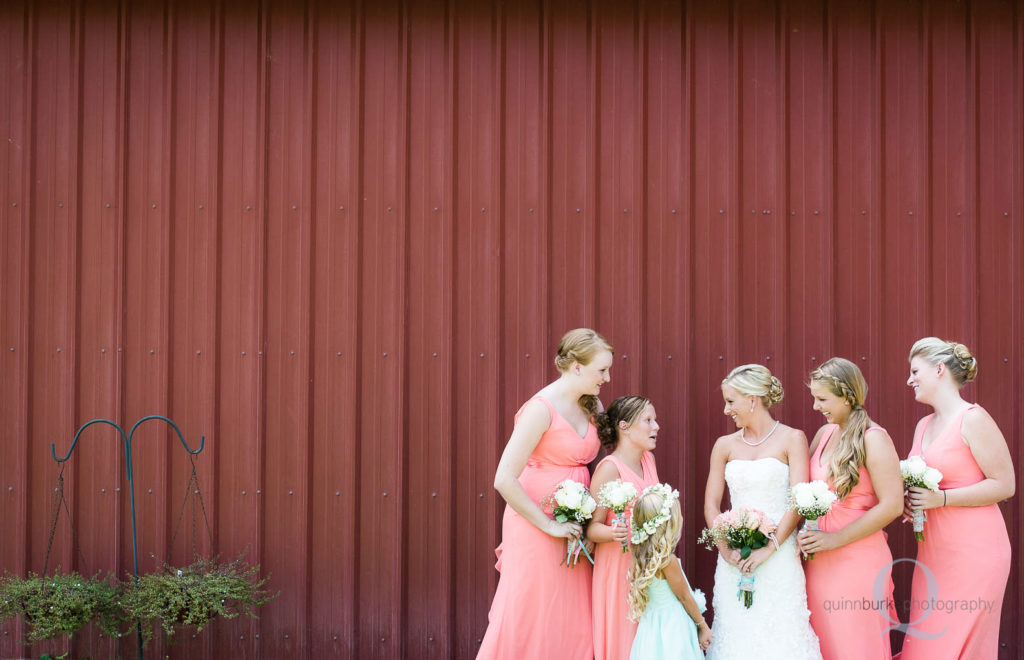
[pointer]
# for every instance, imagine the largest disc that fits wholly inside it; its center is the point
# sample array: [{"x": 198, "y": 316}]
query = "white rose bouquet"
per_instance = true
[
  {"x": 617, "y": 496},
  {"x": 571, "y": 501},
  {"x": 811, "y": 500},
  {"x": 917, "y": 474}
]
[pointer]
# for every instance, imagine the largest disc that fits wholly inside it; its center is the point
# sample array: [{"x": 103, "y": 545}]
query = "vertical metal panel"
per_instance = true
[{"x": 342, "y": 239}]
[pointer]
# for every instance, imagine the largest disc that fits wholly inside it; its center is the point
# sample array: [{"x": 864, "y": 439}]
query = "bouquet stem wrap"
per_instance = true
[
  {"x": 620, "y": 519},
  {"x": 812, "y": 526},
  {"x": 745, "y": 592},
  {"x": 918, "y": 518},
  {"x": 572, "y": 555}
]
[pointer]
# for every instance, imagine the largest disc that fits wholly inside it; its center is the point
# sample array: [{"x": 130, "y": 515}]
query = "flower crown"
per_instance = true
[{"x": 670, "y": 496}]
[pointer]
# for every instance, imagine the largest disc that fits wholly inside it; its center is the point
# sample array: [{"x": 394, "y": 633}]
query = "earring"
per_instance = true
[{"x": 751, "y": 406}]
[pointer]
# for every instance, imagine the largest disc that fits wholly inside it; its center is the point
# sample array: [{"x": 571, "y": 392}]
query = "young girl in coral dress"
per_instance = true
[
  {"x": 671, "y": 621},
  {"x": 535, "y": 611},
  {"x": 630, "y": 430},
  {"x": 857, "y": 459},
  {"x": 966, "y": 547}
]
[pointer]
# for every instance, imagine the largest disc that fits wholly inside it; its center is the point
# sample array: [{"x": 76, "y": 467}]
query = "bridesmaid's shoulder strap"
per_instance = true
[
  {"x": 536, "y": 397},
  {"x": 614, "y": 460}
]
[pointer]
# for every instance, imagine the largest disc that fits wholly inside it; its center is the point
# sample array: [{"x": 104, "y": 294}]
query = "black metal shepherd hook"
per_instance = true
[{"x": 127, "y": 443}]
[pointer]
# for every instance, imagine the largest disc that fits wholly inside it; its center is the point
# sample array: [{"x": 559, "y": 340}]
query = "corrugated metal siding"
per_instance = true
[{"x": 341, "y": 240}]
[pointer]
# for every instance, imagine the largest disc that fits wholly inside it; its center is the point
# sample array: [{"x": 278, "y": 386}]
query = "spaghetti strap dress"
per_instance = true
[
  {"x": 536, "y": 608},
  {"x": 613, "y": 631},
  {"x": 850, "y": 589},
  {"x": 967, "y": 552}
]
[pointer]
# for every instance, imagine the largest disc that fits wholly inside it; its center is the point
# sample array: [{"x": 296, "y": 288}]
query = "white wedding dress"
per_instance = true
[{"x": 777, "y": 625}]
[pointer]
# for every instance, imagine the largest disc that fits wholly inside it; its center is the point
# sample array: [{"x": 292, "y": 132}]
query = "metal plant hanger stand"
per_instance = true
[{"x": 127, "y": 444}]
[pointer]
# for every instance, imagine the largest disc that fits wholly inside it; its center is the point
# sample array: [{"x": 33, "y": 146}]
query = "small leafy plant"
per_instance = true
[
  {"x": 61, "y": 604},
  {"x": 196, "y": 594}
]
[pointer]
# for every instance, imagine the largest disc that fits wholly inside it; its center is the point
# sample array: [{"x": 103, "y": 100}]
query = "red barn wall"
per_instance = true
[{"x": 342, "y": 240}]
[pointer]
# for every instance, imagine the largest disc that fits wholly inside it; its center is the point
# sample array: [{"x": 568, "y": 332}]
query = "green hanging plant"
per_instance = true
[
  {"x": 56, "y": 605},
  {"x": 196, "y": 594}
]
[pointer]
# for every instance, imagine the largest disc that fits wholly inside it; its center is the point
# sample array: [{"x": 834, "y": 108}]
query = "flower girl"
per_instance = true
[{"x": 671, "y": 624}]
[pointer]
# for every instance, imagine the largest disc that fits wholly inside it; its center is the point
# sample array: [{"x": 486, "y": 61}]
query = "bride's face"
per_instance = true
[{"x": 737, "y": 406}]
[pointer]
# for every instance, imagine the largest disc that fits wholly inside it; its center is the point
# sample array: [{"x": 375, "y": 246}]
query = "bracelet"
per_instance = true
[
  {"x": 943, "y": 498},
  {"x": 775, "y": 541}
]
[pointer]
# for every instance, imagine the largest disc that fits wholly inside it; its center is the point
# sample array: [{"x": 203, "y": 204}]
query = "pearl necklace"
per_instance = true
[{"x": 743, "y": 434}]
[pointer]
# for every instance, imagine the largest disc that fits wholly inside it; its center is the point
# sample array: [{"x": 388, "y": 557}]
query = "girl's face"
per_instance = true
[
  {"x": 832, "y": 407},
  {"x": 595, "y": 374},
  {"x": 643, "y": 432},
  {"x": 737, "y": 406},
  {"x": 924, "y": 379}
]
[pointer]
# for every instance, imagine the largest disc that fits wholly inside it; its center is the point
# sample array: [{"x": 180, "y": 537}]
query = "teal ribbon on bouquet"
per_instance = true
[
  {"x": 745, "y": 592},
  {"x": 572, "y": 558},
  {"x": 621, "y": 518}
]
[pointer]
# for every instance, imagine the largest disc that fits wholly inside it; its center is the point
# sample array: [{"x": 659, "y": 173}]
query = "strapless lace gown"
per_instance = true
[{"x": 777, "y": 625}]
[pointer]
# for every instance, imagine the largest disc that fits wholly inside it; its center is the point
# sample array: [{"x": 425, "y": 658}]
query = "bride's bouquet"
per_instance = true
[
  {"x": 571, "y": 501},
  {"x": 617, "y": 496},
  {"x": 917, "y": 474},
  {"x": 745, "y": 530},
  {"x": 811, "y": 500}
]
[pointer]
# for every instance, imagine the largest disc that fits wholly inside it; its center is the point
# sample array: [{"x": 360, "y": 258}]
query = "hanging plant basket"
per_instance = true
[
  {"x": 56, "y": 605},
  {"x": 196, "y": 594}
]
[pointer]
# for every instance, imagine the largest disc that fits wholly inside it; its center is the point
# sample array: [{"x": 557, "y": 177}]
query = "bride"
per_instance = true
[{"x": 759, "y": 463}]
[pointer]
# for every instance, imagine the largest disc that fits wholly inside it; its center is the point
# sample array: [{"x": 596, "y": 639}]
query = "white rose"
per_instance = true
[
  {"x": 804, "y": 498},
  {"x": 932, "y": 477},
  {"x": 915, "y": 466},
  {"x": 820, "y": 489},
  {"x": 589, "y": 505}
]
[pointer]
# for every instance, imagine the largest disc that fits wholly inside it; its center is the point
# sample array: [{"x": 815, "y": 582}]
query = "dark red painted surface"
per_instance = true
[{"x": 341, "y": 240}]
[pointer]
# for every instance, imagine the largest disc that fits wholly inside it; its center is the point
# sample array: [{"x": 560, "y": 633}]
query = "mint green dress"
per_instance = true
[{"x": 665, "y": 630}]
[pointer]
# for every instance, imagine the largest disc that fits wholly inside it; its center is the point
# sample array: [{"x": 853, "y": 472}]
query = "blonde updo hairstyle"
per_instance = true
[
  {"x": 755, "y": 380},
  {"x": 957, "y": 358},
  {"x": 653, "y": 554},
  {"x": 845, "y": 380},
  {"x": 624, "y": 409},
  {"x": 581, "y": 345}
]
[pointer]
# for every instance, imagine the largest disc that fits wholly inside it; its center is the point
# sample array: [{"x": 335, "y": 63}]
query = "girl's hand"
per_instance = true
[
  {"x": 704, "y": 635},
  {"x": 566, "y": 530},
  {"x": 813, "y": 541},
  {"x": 908, "y": 510},
  {"x": 755, "y": 559},
  {"x": 620, "y": 532},
  {"x": 730, "y": 555},
  {"x": 922, "y": 498}
]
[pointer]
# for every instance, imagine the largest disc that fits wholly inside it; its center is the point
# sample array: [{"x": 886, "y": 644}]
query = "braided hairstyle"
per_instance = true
[
  {"x": 955, "y": 356},
  {"x": 624, "y": 409},
  {"x": 756, "y": 380},
  {"x": 651, "y": 555},
  {"x": 581, "y": 345},
  {"x": 844, "y": 379}
]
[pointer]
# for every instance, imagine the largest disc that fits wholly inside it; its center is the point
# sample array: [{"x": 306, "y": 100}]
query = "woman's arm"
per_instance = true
[
  {"x": 883, "y": 467},
  {"x": 533, "y": 422},
  {"x": 713, "y": 491},
  {"x": 988, "y": 446},
  {"x": 597, "y": 531}
]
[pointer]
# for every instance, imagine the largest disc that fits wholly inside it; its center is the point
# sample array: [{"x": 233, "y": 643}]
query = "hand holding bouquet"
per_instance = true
[
  {"x": 811, "y": 500},
  {"x": 617, "y": 496},
  {"x": 571, "y": 502},
  {"x": 745, "y": 530},
  {"x": 917, "y": 474}
]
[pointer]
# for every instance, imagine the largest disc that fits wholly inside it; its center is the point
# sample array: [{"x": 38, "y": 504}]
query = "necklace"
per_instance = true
[{"x": 743, "y": 435}]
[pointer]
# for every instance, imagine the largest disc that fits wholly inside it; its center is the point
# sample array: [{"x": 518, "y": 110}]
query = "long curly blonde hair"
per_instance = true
[
  {"x": 845, "y": 380},
  {"x": 652, "y": 554}
]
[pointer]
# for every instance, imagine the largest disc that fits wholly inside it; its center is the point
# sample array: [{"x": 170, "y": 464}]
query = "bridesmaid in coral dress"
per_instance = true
[
  {"x": 630, "y": 430},
  {"x": 857, "y": 459},
  {"x": 536, "y": 608},
  {"x": 966, "y": 546}
]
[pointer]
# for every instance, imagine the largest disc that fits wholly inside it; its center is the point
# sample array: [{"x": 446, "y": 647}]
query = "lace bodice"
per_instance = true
[{"x": 761, "y": 484}]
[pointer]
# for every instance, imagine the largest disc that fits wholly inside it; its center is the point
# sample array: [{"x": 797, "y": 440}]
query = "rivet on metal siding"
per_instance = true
[
  {"x": 1006, "y": 359},
  {"x": 625, "y": 210},
  {"x": 792, "y": 212},
  {"x": 578, "y": 210},
  {"x": 259, "y": 492},
  {"x": 383, "y": 494},
  {"x": 200, "y": 207},
  {"x": 149, "y": 490},
  {"x": 243, "y": 492},
  {"x": 721, "y": 211},
  {"x": 768, "y": 358},
  {"x": 863, "y": 358},
  {"x": 243, "y": 352},
  {"x": 753, "y": 211},
  {"x": 58, "y": 350},
  {"x": 381, "y": 640},
  {"x": 481, "y": 355},
  {"x": 435, "y": 209},
  {"x": 103, "y": 490},
  {"x": 481, "y": 496},
  {"x": 910, "y": 213},
  {"x": 531, "y": 210},
  {"x": 958, "y": 214},
  {"x": 433, "y": 494},
  {"x": 863, "y": 212},
  {"x": 719, "y": 357},
  {"x": 14, "y": 203},
  {"x": 117, "y": 490},
  {"x": 294, "y": 207},
  {"x": 152, "y": 206},
  {"x": 384, "y": 354},
  {"x": 673, "y": 210},
  {"x": 670, "y": 357},
  {"x": 817, "y": 212},
  {"x": 257, "y": 635},
  {"x": 198, "y": 352},
  {"x": 337, "y": 493},
  {"x": 261, "y": 352},
  {"x": 60, "y": 205},
  {"x": 248, "y": 207},
  {"x": 339, "y": 354},
  {"x": 435, "y": 354},
  {"x": 813, "y": 359},
  {"x": 527, "y": 355},
  {"x": 241, "y": 637},
  {"x": 335, "y": 638},
  {"x": 483, "y": 210},
  {"x": 11, "y": 349},
  {"x": 291, "y": 492},
  {"x": 767, "y": 211},
  {"x": 389, "y": 209},
  {"x": 108, "y": 205},
  {"x": 10, "y": 489},
  {"x": 1006, "y": 213},
  {"x": 151, "y": 351},
  {"x": 291, "y": 352},
  {"x": 625, "y": 357},
  {"x": 286, "y": 636},
  {"x": 341, "y": 208},
  {"x": 431, "y": 638}
]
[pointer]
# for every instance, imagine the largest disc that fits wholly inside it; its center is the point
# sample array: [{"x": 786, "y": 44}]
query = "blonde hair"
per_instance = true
[
  {"x": 955, "y": 356},
  {"x": 845, "y": 380},
  {"x": 756, "y": 380},
  {"x": 652, "y": 554},
  {"x": 581, "y": 345}
]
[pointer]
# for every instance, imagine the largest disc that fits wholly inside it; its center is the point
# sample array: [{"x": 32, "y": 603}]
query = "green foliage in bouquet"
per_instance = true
[
  {"x": 56, "y": 605},
  {"x": 196, "y": 594}
]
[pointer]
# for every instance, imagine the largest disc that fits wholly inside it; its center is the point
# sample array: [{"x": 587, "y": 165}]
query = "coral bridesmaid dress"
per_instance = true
[
  {"x": 850, "y": 618},
  {"x": 613, "y": 631},
  {"x": 967, "y": 551},
  {"x": 536, "y": 608}
]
